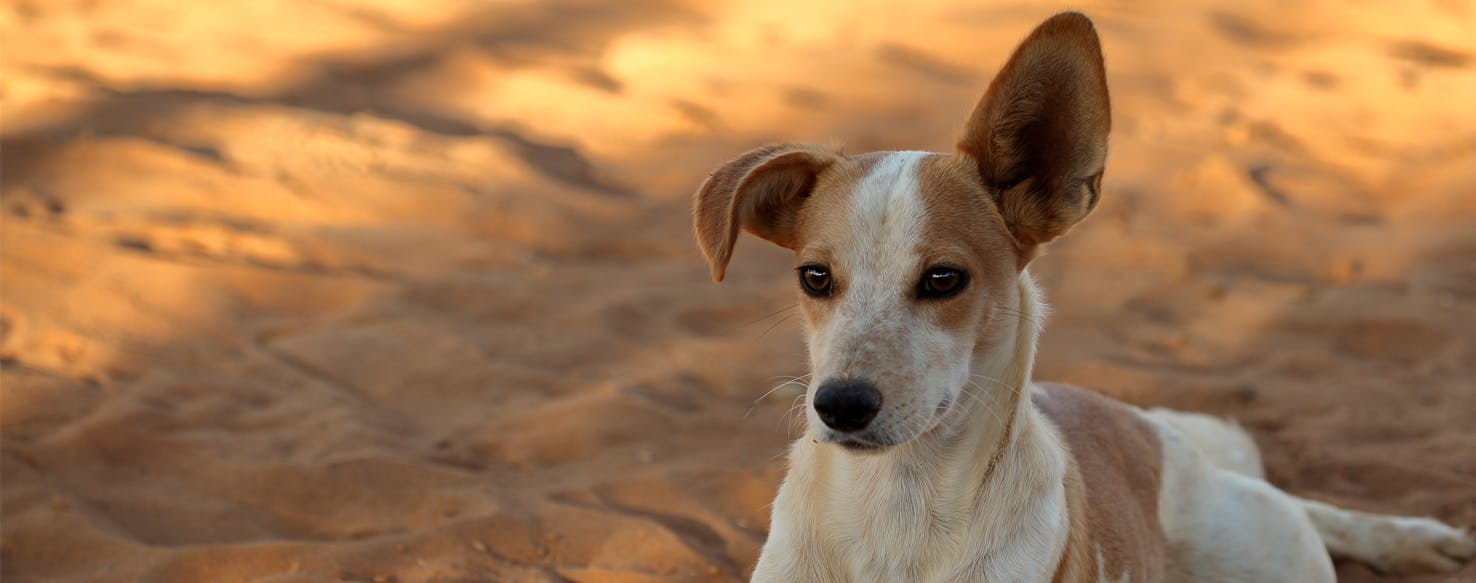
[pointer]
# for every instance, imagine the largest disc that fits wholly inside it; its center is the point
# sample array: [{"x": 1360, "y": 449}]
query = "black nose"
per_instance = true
[{"x": 847, "y": 405}]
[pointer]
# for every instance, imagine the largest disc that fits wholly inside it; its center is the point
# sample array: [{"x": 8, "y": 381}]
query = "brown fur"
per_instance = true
[
  {"x": 965, "y": 230},
  {"x": 830, "y": 198},
  {"x": 1039, "y": 135},
  {"x": 1078, "y": 559},
  {"x": 1113, "y": 496},
  {"x": 761, "y": 192}
]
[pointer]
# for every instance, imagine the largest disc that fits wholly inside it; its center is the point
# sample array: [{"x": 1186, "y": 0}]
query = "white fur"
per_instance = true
[
  {"x": 1224, "y": 526},
  {"x": 1226, "y": 444}
]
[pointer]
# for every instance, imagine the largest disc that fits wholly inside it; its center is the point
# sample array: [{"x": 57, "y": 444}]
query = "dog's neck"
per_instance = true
[
  {"x": 985, "y": 465},
  {"x": 994, "y": 409}
]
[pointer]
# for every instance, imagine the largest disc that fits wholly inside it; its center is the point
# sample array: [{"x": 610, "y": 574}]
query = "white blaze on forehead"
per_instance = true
[
  {"x": 873, "y": 334},
  {"x": 887, "y": 216}
]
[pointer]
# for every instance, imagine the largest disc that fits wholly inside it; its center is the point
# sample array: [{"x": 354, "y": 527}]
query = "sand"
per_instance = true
[{"x": 406, "y": 291}]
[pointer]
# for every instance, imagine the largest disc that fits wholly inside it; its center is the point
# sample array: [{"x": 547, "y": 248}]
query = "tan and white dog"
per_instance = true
[{"x": 930, "y": 455}]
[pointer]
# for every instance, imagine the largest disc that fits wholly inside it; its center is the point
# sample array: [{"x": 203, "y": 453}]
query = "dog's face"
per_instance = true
[
  {"x": 901, "y": 261},
  {"x": 907, "y": 262}
]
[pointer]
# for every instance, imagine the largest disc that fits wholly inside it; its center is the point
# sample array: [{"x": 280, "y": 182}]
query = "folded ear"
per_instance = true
[
  {"x": 1039, "y": 135},
  {"x": 760, "y": 191}
]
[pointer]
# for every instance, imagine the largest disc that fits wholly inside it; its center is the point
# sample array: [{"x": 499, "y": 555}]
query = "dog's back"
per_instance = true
[{"x": 1112, "y": 488}]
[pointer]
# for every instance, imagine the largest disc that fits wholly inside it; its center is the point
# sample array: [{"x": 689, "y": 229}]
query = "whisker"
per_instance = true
[
  {"x": 803, "y": 376},
  {"x": 792, "y": 381},
  {"x": 1013, "y": 312},
  {"x": 775, "y": 325},
  {"x": 994, "y": 415},
  {"x": 773, "y": 313},
  {"x": 798, "y": 406},
  {"x": 1012, "y": 388},
  {"x": 973, "y": 397},
  {"x": 988, "y": 406}
]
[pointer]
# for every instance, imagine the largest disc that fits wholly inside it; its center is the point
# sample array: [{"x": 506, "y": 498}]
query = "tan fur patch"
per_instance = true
[
  {"x": 1078, "y": 563},
  {"x": 821, "y": 217},
  {"x": 1039, "y": 135},
  {"x": 964, "y": 229},
  {"x": 760, "y": 192},
  {"x": 1114, "y": 507}
]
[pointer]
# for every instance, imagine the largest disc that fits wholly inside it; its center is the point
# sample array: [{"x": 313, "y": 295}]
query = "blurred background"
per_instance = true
[{"x": 405, "y": 291}]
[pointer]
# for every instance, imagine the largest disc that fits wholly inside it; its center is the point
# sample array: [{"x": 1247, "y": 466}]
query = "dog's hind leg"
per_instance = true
[
  {"x": 1402, "y": 545},
  {"x": 1390, "y": 544},
  {"x": 1225, "y": 526},
  {"x": 1223, "y": 441}
]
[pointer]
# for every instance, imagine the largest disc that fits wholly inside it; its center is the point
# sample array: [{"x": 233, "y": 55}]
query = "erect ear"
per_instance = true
[
  {"x": 1039, "y": 135},
  {"x": 760, "y": 191}
]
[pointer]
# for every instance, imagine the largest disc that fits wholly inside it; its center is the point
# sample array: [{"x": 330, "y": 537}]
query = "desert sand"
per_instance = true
[{"x": 405, "y": 291}]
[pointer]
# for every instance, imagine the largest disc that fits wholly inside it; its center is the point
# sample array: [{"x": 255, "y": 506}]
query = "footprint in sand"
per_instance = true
[
  {"x": 31, "y": 203},
  {"x": 1397, "y": 342}
]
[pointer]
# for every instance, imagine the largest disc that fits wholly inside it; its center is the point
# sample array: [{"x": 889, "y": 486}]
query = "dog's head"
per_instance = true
[{"x": 908, "y": 262}]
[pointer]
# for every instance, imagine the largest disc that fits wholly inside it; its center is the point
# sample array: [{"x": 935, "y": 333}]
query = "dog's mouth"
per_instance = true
[
  {"x": 858, "y": 445},
  {"x": 944, "y": 405}
]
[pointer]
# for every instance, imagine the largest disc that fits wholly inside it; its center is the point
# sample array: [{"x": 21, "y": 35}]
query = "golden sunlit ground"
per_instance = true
[{"x": 405, "y": 291}]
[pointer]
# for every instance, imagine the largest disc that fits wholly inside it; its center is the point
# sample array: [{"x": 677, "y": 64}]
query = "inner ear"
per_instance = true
[
  {"x": 1039, "y": 135},
  {"x": 760, "y": 192}
]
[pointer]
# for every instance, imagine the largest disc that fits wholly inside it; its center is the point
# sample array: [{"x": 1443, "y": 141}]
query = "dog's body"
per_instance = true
[{"x": 931, "y": 456}]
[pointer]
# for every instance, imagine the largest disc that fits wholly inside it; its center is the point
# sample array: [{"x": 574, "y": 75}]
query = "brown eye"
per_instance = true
[
  {"x": 941, "y": 282},
  {"x": 815, "y": 280}
]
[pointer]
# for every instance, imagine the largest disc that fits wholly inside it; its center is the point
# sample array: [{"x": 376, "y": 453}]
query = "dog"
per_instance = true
[{"x": 930, "y": 455}]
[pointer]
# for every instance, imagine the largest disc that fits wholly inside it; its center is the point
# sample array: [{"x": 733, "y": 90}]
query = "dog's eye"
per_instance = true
[
  {"x": 815, "y": 280},
  {"x": 941, "y": 282}
]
